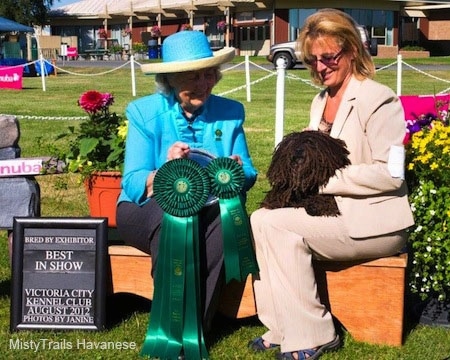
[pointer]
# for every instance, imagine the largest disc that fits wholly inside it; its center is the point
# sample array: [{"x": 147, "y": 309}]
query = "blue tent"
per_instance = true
[{"x": 7, "y": 25}]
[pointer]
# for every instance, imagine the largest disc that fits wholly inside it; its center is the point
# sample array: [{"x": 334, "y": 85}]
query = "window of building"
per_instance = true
[
  {"x": 244, "y": 16},
  {"x": 254, "y": 33},
  {"x": 379, "y": 23},
  {"x": 256, "y": 16}
]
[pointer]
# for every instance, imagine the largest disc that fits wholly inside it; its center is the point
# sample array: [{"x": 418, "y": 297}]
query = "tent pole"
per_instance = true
[{"x": 29, "y": 45}]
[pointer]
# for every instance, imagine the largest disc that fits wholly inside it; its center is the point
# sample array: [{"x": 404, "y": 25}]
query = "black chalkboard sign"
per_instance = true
[{"x": 59, "y": 273}]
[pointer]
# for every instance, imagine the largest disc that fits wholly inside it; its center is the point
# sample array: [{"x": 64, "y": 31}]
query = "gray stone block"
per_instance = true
[
  {"x": 9, "y": 131},
  {"x": 8, "y": 153},
  {"x": 19, "y": 196}
]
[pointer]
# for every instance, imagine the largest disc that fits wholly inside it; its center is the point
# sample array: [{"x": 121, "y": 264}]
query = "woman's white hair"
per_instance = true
[{"x": 163, "y": 85}]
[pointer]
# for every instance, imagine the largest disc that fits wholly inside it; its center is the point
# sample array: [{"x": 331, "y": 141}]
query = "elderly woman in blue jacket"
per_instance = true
[{"x": 180, "y": 117}]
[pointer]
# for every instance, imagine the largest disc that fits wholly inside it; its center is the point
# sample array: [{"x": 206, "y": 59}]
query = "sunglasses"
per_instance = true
[{"x": 326, "y": 60}]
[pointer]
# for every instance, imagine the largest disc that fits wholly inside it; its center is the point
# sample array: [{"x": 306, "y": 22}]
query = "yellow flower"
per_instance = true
[
  {"x": 424, "y": 158},
  {"x": 122, "y": 130}
]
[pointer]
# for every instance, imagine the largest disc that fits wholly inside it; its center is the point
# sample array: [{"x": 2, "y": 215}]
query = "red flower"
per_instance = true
[{"x": 92, "y": 101}]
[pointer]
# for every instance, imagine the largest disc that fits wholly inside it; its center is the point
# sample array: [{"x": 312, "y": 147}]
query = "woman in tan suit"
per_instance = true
[{"x": 371, "y": 193}]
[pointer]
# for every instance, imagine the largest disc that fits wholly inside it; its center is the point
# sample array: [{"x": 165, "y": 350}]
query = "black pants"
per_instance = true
[{"x": 140, "y": 227}]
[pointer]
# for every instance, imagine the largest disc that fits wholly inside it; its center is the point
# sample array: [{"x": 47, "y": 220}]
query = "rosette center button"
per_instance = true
[
  {"x": 223, "y": 177},
  {"x": 181, "y": 186}
]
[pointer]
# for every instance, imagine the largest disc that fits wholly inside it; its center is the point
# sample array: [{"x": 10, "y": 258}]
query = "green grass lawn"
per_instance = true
[{"x": 62, "y": 195}]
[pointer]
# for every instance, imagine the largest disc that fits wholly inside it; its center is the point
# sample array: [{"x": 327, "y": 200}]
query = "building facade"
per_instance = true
[{"x": 248, "y": 25}]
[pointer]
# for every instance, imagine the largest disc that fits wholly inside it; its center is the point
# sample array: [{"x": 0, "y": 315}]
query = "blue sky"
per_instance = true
[{"x": 59, "y": 3}]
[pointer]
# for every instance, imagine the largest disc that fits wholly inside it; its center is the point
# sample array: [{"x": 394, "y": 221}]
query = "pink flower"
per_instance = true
[
  {"x": 155, "y": 31},
  {"x": 221, "y": 25},
  {"x": 108, "y": 99}
]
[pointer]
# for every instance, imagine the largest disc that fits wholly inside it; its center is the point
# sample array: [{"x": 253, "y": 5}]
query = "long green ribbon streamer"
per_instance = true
[
  {"x": 181, "y": 189},
  {"x": 227, "y": 180},
  {"x": 239, "y": 255},
  {"x": 175, "y": 314},
  {"x": 193, "y": 340},
  {"x": 163, "y": 338}
]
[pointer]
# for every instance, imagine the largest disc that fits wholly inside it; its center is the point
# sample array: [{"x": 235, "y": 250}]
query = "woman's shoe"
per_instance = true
[
  {"x": 311, "y": 354},
  {"x": 257, "y": 344}
]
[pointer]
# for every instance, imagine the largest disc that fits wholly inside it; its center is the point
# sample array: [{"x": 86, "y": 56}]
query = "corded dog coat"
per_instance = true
[{"x": 301, "y": 164}]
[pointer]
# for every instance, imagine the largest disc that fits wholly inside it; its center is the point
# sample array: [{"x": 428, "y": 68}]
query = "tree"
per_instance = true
[{"x": 27, "y": 12}]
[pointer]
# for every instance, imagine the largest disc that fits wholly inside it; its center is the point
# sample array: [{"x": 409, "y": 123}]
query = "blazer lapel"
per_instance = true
[{"x": 346, "y": 107}]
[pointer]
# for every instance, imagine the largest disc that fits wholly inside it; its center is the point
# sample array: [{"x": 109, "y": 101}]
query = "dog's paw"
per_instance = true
[{"x": 322, "y": 205}]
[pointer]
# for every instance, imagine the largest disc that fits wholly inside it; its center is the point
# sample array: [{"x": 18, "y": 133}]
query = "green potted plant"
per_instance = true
[
  {"x": 116, "y": 51},
  {"x": 96, "y": 151},
  {"x": 428, "y": 177},
  {"x": 139, "y": 49}
]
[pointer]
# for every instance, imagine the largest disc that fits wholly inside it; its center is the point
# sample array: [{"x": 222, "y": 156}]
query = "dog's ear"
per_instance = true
[
  {"x": 328, "y": 149},
  {"x": 338, "y": 152}
]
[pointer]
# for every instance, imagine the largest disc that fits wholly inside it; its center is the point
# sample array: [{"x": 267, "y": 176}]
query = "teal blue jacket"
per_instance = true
[{"x": 156, "y": 122}]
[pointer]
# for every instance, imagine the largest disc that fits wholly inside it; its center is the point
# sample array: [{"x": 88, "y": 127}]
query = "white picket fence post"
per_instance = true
[{"x": 279, "y": 106}]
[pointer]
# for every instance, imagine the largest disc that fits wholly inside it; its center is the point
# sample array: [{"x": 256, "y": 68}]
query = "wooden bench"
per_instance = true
[
  {"x": 367, "y": 298},
  {"x": 96, "y": 54}
]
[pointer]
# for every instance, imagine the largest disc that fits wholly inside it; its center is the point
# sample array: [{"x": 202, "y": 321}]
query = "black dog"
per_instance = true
[{"x": 301, "y": 164}]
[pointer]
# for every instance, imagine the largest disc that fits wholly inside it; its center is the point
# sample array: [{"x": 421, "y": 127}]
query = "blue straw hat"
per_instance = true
[{"x": 188, "y": 51}]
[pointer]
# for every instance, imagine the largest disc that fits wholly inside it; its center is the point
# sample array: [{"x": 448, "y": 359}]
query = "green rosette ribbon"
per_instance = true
[
  {"x": 227, "y": 180},
  {"x": 181, "y": 187}
]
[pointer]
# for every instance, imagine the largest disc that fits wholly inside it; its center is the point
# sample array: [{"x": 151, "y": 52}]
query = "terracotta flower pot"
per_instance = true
[{"x": 103, "y": 190}]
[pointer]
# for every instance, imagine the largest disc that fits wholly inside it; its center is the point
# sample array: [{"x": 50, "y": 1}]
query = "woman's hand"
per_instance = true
[
  {"x": 149, "y": 183},
  {"x": 178, "y": 150}
]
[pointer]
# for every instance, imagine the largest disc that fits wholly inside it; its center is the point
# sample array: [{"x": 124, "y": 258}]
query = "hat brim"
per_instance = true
[{"x": 219, "y": 57}]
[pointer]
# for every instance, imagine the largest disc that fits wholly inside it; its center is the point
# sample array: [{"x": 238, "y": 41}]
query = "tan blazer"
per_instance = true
[{"x": 370, "y": 119}]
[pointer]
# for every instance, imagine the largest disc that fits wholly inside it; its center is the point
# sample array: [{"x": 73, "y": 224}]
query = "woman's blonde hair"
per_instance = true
[{"x": 340, "y": 26}]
